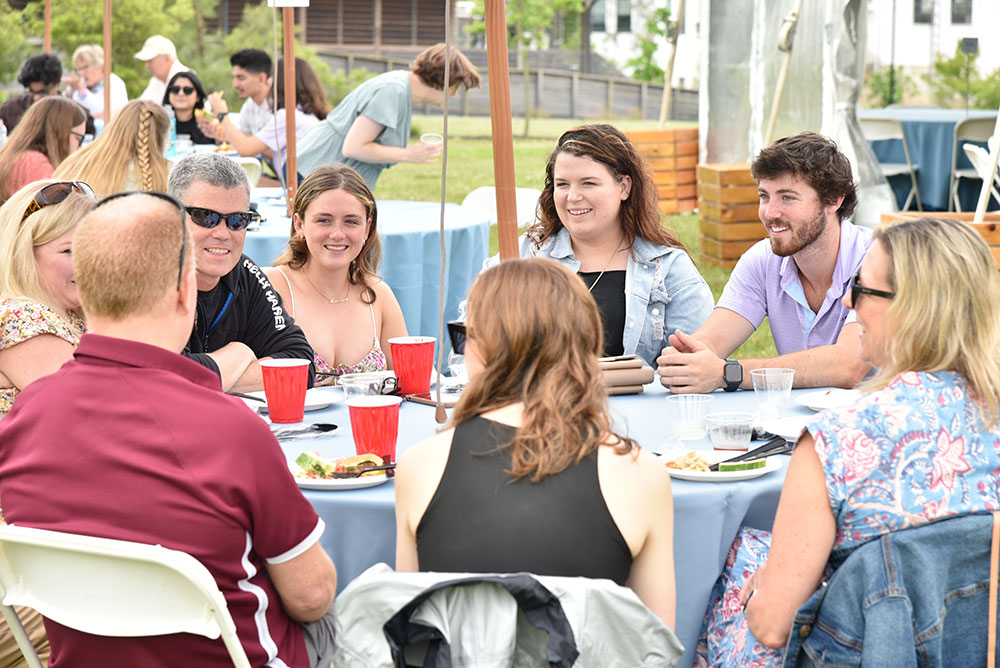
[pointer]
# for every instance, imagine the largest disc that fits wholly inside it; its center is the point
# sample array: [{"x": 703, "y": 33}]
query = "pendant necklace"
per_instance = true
[
  {"x": 591, "y": 288},
  {"x": 332, "y": 300}
]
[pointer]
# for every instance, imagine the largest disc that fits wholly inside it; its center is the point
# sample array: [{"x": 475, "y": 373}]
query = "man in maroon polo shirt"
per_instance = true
[{"x": 132, "y": 441}]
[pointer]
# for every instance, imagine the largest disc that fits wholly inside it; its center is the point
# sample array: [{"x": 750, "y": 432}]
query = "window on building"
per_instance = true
[
  {"x": 597, "y": 16},
  {"x": 923, "y": 11},
  {"x": 624, "y": 15},
  {"x": 961, "y": 11}
]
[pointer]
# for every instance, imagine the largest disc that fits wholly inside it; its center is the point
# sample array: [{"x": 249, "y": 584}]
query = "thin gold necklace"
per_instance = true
[
  {"x": 608, "y": 264},
  {"x": 329, "y": 299}
]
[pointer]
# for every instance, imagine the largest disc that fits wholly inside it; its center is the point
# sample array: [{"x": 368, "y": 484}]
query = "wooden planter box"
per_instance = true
[
  {"x": 672, "y": 155},
  {"x": 727, "y": 211},
  {"x": 989, "y": 228}
]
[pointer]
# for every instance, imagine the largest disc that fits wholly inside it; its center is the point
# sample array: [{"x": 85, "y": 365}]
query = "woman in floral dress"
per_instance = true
[
  {"x": 40, "y": 318},
  {"x": 922, "y": 444}
]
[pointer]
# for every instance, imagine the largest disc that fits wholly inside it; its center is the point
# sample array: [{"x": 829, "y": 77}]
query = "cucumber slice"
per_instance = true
[{"x": 743, "y": 466}]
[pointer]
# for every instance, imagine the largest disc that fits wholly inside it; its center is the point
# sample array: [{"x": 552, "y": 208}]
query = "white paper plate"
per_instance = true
[
  {"x": 317, "y": 398},
  {"x": 712, "y": 457},
  {"x": 822, "y": 400},
  {"x": 789, "y": 428},
  {"x": 338, "y": 484}
]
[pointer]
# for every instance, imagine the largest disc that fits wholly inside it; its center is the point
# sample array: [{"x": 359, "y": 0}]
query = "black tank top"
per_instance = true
[
  {"x": 609, "y": 293},
  {"x": 479, "y": 521}
]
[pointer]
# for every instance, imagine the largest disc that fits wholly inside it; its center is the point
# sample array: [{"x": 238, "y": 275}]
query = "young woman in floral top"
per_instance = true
[
  {"x": 922, "y": 444},
  {"x": 40, "y": 321}
]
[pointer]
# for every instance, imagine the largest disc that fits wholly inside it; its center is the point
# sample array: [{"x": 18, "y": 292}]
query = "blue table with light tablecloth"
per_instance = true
[
  {"x": 411, "y": 252},
  {"x": 930, "y": 134},
  {"x": 360, "y": 524}
]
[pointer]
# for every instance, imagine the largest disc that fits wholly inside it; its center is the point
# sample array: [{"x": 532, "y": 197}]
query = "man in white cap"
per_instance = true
[{"x": 160, "y": 57}]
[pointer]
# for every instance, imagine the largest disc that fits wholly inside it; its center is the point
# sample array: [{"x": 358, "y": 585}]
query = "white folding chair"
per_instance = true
[
  {"x": 968, "y": 129},
  {"x": 485, "y": 199},
  {"x": 980, "y": 160},
  {"x": 110, "y": 588},
  {"x": 252, "y": 167},
  {"x": 878, "y": 129}
]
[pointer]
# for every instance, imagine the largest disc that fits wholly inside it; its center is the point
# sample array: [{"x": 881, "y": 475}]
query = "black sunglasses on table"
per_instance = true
[
  {"x": 857, "y": 290},
  {"x": 207, "y": 218},
  {"x": 54, "y": 193},
  {"x": 188, "y": 90},
  {"x": 167, "y": 198}
]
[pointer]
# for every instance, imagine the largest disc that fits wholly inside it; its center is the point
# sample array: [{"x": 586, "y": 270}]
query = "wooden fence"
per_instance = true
[{"x": 554, "y": 93}]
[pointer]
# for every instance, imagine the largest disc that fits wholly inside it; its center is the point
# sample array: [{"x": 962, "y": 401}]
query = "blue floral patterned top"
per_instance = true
[{"x": 915, "y": 451}]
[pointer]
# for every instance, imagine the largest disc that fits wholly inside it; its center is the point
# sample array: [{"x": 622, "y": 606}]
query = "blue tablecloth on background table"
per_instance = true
[
  {"x": 360, "y": 524},
  {"x": 411, "y": 252},
  {"x": 930, "y": 133}
]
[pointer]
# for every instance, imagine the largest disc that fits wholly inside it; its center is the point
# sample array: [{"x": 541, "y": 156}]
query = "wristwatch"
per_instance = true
[
  {"x": 222, "y": 115},
  {"x": 732, "y": 375}
]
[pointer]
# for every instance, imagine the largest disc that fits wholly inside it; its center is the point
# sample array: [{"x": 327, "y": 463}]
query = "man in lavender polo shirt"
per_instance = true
[{"x": 796, "y": 277}]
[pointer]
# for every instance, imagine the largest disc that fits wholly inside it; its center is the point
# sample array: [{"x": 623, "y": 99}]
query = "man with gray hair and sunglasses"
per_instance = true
[{"x": 240, "y": 318}]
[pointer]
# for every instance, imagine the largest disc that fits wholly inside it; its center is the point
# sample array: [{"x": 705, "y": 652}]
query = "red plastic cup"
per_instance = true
[
  {"x": 412, "y": 360},
  {"x": 285, "y": 382},
  {"x": 375, "y": 424}
]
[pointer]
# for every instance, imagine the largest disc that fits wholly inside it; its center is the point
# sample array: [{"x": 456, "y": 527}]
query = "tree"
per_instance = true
[
  {"x": 14, "y": 47},
  {"x": 644, "y": 66},
  {"x": 881, "y": 93},
  {"x": 952, "y": 75},
  {"x": 76, "y": 23},
  {"x": 528, "y": 23}
]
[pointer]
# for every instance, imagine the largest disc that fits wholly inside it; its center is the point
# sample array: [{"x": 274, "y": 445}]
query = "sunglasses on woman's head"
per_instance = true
[
  {"x": 207, "y": 218},
  {"x": 54, "y": 193},
  {"x": 187, "y": 90}
]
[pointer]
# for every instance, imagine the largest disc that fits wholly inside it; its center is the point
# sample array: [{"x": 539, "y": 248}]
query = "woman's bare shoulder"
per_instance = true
[
  {"x": 637, "y": 464},
  {"x": 428, "y": 450}
]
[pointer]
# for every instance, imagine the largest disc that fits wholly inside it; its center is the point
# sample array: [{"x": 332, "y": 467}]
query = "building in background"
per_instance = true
[{"x": 922, "y": 30}]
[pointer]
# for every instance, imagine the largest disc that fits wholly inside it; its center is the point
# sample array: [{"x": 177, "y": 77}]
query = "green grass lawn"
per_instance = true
[{"x": 470, "y": 165}]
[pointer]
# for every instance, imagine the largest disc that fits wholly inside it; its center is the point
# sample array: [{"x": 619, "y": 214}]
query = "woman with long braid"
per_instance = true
[{"x": 128, "y": 155}]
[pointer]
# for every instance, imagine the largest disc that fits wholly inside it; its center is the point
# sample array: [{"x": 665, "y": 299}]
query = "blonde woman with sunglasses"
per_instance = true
[
  {"x": 921, "y": 444},
  {"x": 40, "y": 318}
]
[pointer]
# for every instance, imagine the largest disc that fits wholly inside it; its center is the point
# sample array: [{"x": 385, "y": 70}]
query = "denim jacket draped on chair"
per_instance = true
[{"x": 916, "y": 597}]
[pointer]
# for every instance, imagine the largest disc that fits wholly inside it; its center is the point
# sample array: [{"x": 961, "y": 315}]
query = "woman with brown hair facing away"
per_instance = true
[
  {"x": 599, "y": 216},
  {"x": 127, "y": 155},
  {"x": 530, "y": 477},
  {"x": 54, "y": 129},
  {"x": 326, "y": 276}
]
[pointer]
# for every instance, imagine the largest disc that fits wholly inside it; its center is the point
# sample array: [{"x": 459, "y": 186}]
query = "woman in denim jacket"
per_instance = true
[
  {"x": 922, "y": 444},
  {"x": 599, "y": 216}
]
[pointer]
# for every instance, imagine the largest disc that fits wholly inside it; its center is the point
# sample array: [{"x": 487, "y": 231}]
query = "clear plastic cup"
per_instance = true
[
  {"x": 687, "y": 414},
  {"x": 431, "y": 138},
  {"x": 184, "y": 145},
  {"x": 773, "y": 388},
  {"x": 360, "y": 384},
  {"x": 729, "y": 431}
]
